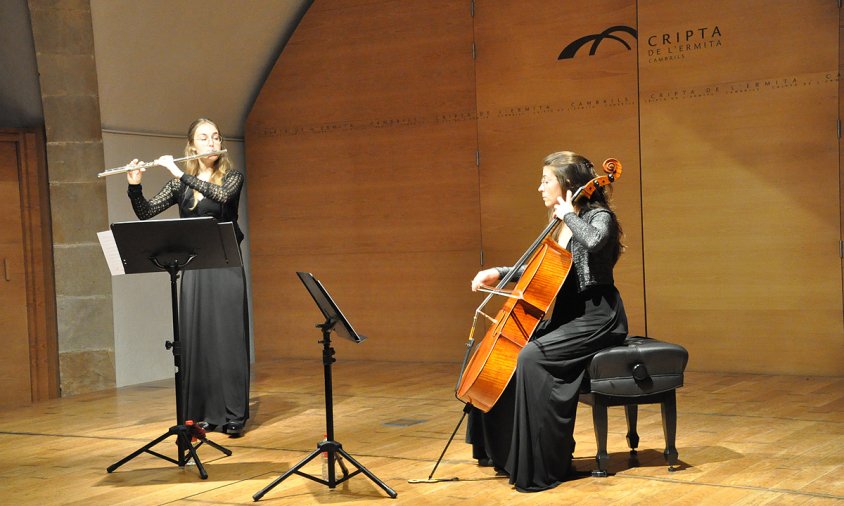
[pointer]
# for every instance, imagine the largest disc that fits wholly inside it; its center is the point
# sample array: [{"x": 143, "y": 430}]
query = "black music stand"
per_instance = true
[
  {"x": 334, "y": 320},
  {"x": 173, "y": 246}
]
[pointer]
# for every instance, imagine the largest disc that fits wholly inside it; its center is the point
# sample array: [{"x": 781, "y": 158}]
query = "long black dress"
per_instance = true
[
  {"x": 529, "y": 433},
  {"x": 213, "y": 318}
]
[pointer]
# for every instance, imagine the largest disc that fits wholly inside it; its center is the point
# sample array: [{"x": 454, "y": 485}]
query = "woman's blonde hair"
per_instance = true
[{"x": 221, "y": 165}]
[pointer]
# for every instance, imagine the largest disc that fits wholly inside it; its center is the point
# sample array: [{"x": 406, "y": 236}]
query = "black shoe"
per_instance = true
[
  {"x": 485, "y": 462},
  {"x": 233, "y": 429},
  {"x": 207, "y": 427}
]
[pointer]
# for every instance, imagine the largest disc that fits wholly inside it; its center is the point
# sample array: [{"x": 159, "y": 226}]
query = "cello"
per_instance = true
[{"x": 546, "y": 265}]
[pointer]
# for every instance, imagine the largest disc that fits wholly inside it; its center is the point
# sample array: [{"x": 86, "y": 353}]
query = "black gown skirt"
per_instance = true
[
  {"x": 529, "y": 433},
  {"x": 214, "y": 334}
]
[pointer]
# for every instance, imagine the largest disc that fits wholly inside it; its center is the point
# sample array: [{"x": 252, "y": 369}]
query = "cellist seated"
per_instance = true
[{"x": 529, "y": 432}]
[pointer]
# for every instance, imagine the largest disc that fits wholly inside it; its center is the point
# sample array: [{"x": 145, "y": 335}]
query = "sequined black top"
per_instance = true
[
  {"x": 594, "y": 248},
  {"x": 220, "y": 202}
]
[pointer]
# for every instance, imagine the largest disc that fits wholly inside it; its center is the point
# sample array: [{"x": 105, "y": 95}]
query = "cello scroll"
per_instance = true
[{"x": 613, "y": 169}]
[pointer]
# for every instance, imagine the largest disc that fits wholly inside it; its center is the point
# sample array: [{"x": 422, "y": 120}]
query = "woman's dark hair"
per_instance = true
[{"x": 573, "y": 171}]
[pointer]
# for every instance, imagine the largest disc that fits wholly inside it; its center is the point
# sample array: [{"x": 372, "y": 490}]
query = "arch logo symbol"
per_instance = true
[{"x": 596, "y": 39}]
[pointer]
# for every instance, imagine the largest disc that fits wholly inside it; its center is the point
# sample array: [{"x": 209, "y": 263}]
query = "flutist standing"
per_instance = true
[{"x": 214, "y": 327}]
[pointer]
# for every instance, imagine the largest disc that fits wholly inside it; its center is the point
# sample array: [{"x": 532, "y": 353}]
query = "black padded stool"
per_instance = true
[{"x": 639, "y": 371}]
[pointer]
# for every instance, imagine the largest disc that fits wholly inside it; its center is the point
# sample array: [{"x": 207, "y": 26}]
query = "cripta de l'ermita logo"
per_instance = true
[{"x": 596, "y": 39}]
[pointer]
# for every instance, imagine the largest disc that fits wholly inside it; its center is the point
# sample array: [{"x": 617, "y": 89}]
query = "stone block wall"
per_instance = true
[{"x": 64, "y": 46}]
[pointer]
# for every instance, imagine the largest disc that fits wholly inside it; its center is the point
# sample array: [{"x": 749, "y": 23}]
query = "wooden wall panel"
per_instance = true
[
  {"x": 531, "y": 104},
  {"x": 741, "y": 232},
  {"x": 361, "y": 156},
  {"x": 361, "y": 163}
]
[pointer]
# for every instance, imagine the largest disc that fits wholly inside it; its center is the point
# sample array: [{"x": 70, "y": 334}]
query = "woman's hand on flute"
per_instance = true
[
  {"x": 167, "y": 162},
  {"x": 134, "y": 176}
]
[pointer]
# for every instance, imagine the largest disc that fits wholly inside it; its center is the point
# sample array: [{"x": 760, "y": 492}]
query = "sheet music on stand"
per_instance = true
[{"x": 112, "y": 255}]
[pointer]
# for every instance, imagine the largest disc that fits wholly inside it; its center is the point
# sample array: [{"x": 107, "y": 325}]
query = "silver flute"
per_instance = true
[{"x": 126, "y": 168}]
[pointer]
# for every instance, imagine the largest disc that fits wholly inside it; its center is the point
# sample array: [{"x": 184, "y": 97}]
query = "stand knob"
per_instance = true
[{"x": 168, "y": 345}]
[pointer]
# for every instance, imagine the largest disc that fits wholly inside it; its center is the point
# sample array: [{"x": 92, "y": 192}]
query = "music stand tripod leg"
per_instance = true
[
  {"x": 183, "y": 443},
  {"x": 392, "y": 493},
  {"x": 293, "y": 470},
  {"x": 223, "y": 449},
  {"x": 184, "y": 438},
  {"x": 143, "y": 449}
]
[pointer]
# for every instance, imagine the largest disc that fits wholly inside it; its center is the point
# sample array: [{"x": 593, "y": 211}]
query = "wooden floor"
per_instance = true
[{"x": 743, "y": 439}]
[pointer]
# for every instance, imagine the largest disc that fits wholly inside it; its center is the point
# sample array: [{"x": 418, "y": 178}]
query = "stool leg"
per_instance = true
[
  {"x": 599, "y": 421},
  {"x": 669, "y": 427},
  {"x": 631, "y": 411}
]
